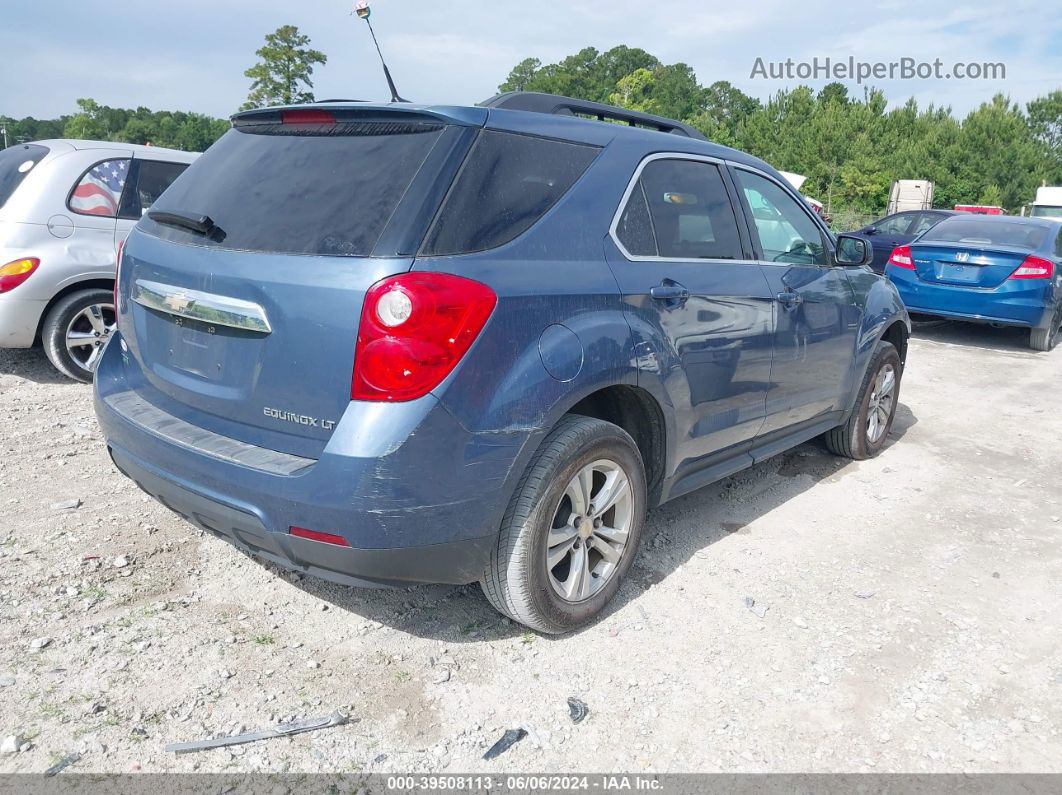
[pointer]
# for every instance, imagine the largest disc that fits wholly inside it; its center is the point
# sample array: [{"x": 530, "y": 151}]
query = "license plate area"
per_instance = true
[{"x": 960, "y": 274}]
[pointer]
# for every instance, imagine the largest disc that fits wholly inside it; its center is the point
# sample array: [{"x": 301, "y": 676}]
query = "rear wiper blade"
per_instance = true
[{"x": 203, "y": 224}]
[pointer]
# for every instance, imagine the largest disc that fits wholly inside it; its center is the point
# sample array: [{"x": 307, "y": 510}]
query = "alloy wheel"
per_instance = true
[
  {"x": 88, "y": 333},
  {"x": 590, "y": 529},
  {"x": 882, "y": 400}
]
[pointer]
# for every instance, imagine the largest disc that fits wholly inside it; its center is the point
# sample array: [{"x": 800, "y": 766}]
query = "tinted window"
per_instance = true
[
  {"x": 987, "y": 233},
  {"x": 99, "y": 191},
  {"x": 635, "y": 230},
  {"x": 925, "y": 221},
  {"x": 786, "y": 231},
  {"x": 148, "y": 179},
  {"x": 894, "y": 225},
  {"x": 300, "y": 193},
  {"x": 16, "y": 163},
  {"x": 507, "y": 183},
  {"x": 691, "y": 212}
]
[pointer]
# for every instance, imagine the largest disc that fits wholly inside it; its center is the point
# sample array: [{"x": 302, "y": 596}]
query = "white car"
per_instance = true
[{"x": 65, "y": 206}]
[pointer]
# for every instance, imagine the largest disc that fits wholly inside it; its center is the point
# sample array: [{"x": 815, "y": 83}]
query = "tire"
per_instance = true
[
  {"x": 1045, "y": 339},
  {"x": 86, "y": 312},
  {"x": 518, "y": 580},
  {"x": 856, "y": 438}
]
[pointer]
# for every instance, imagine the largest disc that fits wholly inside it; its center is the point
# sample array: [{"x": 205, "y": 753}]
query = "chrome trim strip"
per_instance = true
[{"x": 215, "y": 310}]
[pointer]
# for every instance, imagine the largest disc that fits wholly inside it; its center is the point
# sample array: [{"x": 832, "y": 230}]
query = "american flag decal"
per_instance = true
[{"x": 100, "y": 189}]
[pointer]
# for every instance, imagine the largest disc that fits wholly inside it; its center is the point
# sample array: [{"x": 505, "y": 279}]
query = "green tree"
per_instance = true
[
  {"x": 283, "y": 76},
  {"x": 521, "y": 75},
  {"x": 87, "y": 123}
]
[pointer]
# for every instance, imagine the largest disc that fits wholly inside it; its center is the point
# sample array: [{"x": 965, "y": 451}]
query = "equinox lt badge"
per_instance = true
[{"x": 299, "y": 419}]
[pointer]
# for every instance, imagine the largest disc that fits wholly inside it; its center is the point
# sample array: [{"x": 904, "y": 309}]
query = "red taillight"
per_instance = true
[
  {"x": 1034, "y": 268},
  {"x": 314, "y": 535},
  {"x": 414, "y": 330},
  {"x": 901, "y": 258},
  {"x": 117, "y": 277},
  {"x": 307, "y": 116},
  {"x": 14, "y": 273}
]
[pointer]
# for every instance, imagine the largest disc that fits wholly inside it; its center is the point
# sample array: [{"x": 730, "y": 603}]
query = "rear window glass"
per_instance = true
[
  {"x": 304, "y": 193},
  {"x": 16, "y": 163},
  {"x": 988, "y": 233},
  {"x": 507, "y": 183}
]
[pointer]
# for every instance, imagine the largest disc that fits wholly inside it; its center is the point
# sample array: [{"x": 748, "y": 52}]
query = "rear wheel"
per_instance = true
[
  {"x": 572, "y": 528},
  {"x": 866, "y": 431},
  {"x": 76, "y": 330},
  {"x": 1045, "y": 339}
]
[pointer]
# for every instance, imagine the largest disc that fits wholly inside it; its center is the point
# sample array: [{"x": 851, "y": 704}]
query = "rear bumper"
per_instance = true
[
  {"x": 19, "y": 318},
  {"x": 418, "y": 498},
  {"x": 1016, "y": 303},
  {"x": 455, "y": 562}
]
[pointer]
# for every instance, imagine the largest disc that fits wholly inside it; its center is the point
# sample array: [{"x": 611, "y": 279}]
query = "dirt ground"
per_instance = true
[{"x": 905, "y": 613}]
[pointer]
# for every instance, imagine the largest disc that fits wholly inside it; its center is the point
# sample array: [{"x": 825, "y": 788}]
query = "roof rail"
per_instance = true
[{"x": 537, "y": 102}]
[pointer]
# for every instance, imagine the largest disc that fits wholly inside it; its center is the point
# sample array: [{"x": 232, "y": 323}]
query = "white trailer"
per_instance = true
[
  {"x": 910, "y": 194},
  {"x": 1048, "y": 203}
]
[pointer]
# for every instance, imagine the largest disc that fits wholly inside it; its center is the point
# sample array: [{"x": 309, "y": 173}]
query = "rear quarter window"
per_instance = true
[
  {"x": 16, "y": 162},
  {"x": 508, "y": 182}
]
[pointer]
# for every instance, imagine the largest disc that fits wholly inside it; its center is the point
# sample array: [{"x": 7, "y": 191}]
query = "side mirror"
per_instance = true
[
  {"x": 870, "y": 230},
  {"x": 853, "y": 251}
]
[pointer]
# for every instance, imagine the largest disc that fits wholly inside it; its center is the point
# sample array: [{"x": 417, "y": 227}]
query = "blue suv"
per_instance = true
[{"x": 394, "y": 344}]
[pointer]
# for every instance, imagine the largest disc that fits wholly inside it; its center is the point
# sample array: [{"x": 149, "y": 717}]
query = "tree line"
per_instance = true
[{"x": 850, "y": 148}]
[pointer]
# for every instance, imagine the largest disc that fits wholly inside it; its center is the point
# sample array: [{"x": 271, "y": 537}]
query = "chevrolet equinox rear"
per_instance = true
[{"x": 419, "y": 344}]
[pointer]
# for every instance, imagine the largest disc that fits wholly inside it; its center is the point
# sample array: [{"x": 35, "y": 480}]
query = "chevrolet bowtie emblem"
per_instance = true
[{"x": 178, "y": 303}]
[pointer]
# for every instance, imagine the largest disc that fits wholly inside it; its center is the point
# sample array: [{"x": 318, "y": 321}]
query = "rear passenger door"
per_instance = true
[
  {"x": 817, "y": 317},
  {"x": 147, "y": 181},
  {"x": 94, "y": 201},
  {"x": 698, "y": 302}
]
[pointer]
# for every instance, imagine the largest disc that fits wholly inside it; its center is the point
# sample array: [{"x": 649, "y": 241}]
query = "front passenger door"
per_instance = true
[{"x": 816, "y": 315}]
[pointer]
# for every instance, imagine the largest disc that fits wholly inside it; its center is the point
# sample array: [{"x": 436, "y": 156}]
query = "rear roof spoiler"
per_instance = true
[
  {"x": 353, "y": 111},
  {"x": 537, "y": 102}
]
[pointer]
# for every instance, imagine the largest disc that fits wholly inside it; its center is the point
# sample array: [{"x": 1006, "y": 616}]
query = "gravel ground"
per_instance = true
[{"x": 810, "y": 614}]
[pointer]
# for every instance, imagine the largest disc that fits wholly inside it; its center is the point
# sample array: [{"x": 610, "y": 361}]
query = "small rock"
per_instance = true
[
  {"x": 313, "y": 664},
  {"x": 865, "y": 594},
  {"x": 40, "y": 643},
  {"x": 11, "y": 744},
  {"x": 443, "y": 676},
  {"x": 6, "y": 680},
  {"x": 66, "y": 505},
  {"x": 801, "y": 622},
  {"x": 120, "y": 562},
  {"x": 25, "y": 747}
]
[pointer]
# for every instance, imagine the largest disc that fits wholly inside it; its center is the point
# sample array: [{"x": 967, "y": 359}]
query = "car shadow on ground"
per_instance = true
[
  {"x": 1008, "y": 339},
  {"x": 463, "y": 615},
  {"x": 31, "y": 364}
]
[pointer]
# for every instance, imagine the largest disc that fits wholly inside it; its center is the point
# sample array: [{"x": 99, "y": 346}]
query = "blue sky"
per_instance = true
[{"x": 190, "y": 55}]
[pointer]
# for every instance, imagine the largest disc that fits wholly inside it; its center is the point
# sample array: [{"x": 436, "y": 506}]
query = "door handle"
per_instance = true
[
  {"x": 669, "y": 291},
  {"x": 789, "y": 299}
]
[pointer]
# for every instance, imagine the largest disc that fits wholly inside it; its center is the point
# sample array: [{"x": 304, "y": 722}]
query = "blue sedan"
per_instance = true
[{"x": 987, "y": 269}]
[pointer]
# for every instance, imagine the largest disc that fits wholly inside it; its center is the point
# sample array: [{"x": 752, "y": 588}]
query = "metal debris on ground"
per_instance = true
[
  {"x": 507, "y": 741},
  {"x": 282, "y": 730},
  {"x": 62, "y": 764},
  {"x": 577, "y": 710}
]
